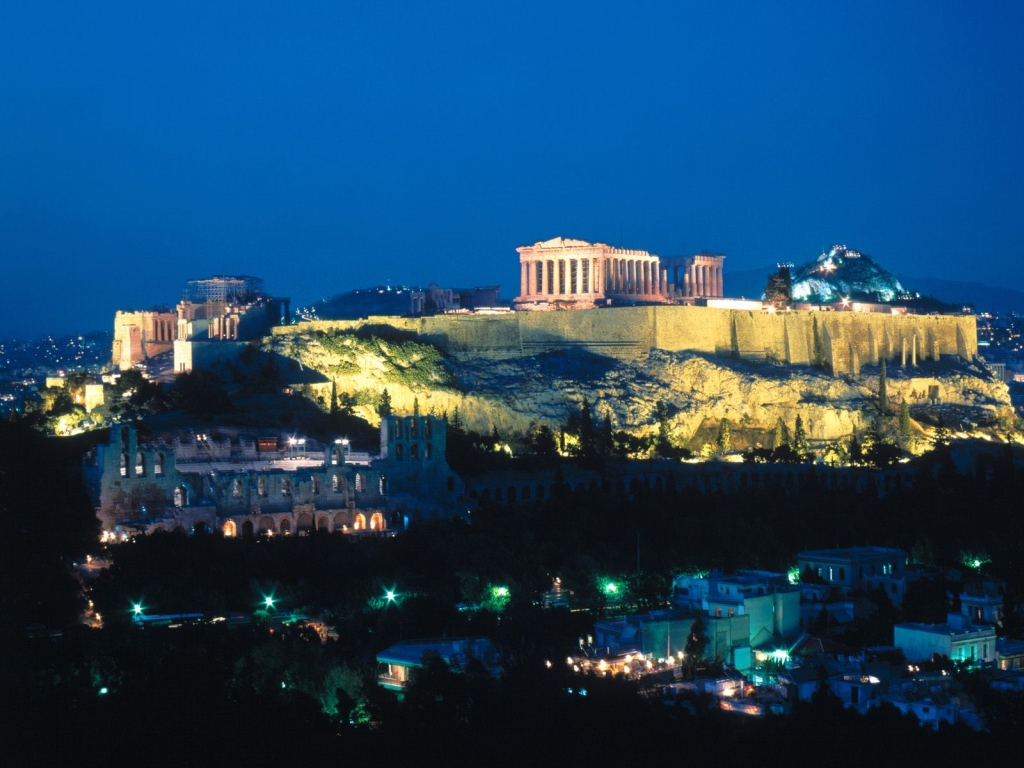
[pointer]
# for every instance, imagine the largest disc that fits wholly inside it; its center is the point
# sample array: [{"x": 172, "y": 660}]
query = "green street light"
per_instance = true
[
  {"x": 390, "y": 595},
  {"x": 268, "y": 602},
  {"x": 137, "y": 609}
]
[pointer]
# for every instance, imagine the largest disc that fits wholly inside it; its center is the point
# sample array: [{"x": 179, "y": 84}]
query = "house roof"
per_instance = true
[{"x": 455, "y": 651}]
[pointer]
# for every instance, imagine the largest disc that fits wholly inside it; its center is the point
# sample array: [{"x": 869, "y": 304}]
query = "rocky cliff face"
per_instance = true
[{"x": 699, "y": 390}]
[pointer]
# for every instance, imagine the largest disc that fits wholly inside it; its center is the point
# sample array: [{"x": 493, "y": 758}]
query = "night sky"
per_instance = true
[{"x": 329, "y": 146}]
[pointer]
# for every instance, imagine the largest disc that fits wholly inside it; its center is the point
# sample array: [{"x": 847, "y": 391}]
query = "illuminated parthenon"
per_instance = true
[{"x": 575, "y": 272}]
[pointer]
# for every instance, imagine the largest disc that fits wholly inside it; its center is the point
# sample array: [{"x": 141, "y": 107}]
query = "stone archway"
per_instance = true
[
  {"x": 201, "y": 528},
  {"x": 359, "y": 522},
  {"x": 286, "y": 526},
  {"x": 340, "y": 521},
  {"x": 266, "y": 524},
  {"x": 304, "y": 522},
  {"x": 322, "y": 523},
  {"x": 247, "y": 529},
  {"x": 229, "y": 529},
  {"x": 377, "y": 522}
]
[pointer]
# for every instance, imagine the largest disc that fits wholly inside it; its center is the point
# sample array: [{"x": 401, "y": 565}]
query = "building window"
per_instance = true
[
  {"x": 286, "y": 487},
  {"x": 336, "y": 483},
  {"x": 236, "y": 488},
  {"x": 124, "y": 465},
  {"x": 360, "y": 486},
  {"x": 399, "y": 453},
  {"x": 414, "y": 451},
  {"x": 179, "y": 496},
  {"x": 428, "y": 429},
  {"x": 383, "y": 486},
  {"x": 315, "y": 482},
  {"x": 261, "y": 486},
  {"x": 428, "y": 450}
]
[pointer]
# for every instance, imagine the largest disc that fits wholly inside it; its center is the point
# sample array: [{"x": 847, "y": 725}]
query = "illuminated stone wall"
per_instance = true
[
  {"x": 847, "y": 340},
  {"x": 139, "y": 336}
]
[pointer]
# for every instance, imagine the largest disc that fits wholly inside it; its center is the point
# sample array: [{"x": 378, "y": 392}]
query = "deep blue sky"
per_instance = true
[{"x": 329, "y": 146}]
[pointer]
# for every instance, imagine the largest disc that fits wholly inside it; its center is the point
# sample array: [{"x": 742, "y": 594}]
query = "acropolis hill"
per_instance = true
[{"x": 751, "y": 367}]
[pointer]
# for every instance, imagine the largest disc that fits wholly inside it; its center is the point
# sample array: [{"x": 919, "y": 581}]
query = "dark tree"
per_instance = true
[
  {"x": 779, "y": 291},
  {"x": 384, "y": 404}
]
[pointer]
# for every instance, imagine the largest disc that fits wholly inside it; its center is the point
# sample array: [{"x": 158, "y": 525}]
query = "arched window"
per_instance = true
[
  {"x": 360, "y": 484},
  {"x": 427, "y": 428},
  {"x": 315, "y": 483},
  {"x": 286, "y": 487},
  {"x": 179, "y": 496},
  {"x": 236, "y": 488},
  {"x": 261, "y": 486},
  {"x": 336, "y": 483},
  {"x": 383, "y": 486},
  {"x": 415, "y": 427},
  {"x": 428, "y": 449},
  {"x": 399, "y": 452},
  {"x": 140, "y": 465},
  {"x": 158, "y": 465},
  {"x": 414, "y": 451},
  {"x": 124, "y": 465}
]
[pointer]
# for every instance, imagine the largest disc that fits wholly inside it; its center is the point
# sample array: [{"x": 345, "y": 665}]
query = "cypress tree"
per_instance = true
[
  {"x": 904, "y": 419},
  {"x": 724, "y": 439},
  {"x": 799, "y": 436},
  {"x": 384, "y": 406}
]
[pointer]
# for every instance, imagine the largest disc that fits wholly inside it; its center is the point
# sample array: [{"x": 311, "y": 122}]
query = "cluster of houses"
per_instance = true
[{"x": 771, "y": 636}]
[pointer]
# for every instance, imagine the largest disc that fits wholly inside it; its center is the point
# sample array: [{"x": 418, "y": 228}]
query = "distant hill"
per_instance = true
[
  {"x": 362, "y": 302},
  {"x": 985, "y": 298},
  {"x": 750, "y": 283}
]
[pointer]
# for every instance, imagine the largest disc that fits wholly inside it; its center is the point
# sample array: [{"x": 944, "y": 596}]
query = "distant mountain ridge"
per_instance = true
[{"x": 750, "y": 284}]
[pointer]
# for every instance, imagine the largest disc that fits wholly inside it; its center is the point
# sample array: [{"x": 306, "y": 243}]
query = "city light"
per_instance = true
[{"x": 269, "y": 601}]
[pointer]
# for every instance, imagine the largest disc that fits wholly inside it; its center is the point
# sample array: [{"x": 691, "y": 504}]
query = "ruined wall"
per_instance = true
[
  {"x": 847, "y": 340},
  {"x": 139, "y": 336}
]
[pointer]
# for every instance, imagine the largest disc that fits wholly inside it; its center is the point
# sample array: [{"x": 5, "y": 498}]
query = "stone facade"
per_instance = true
[
  {"x": 244, "y": 485},
  {"x": 845, "y": 340},
  {"x": 138, "y": 336}
]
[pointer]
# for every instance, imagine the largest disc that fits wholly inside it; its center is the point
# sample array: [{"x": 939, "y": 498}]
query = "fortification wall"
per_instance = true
[{"x": 844, "y": 340}]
